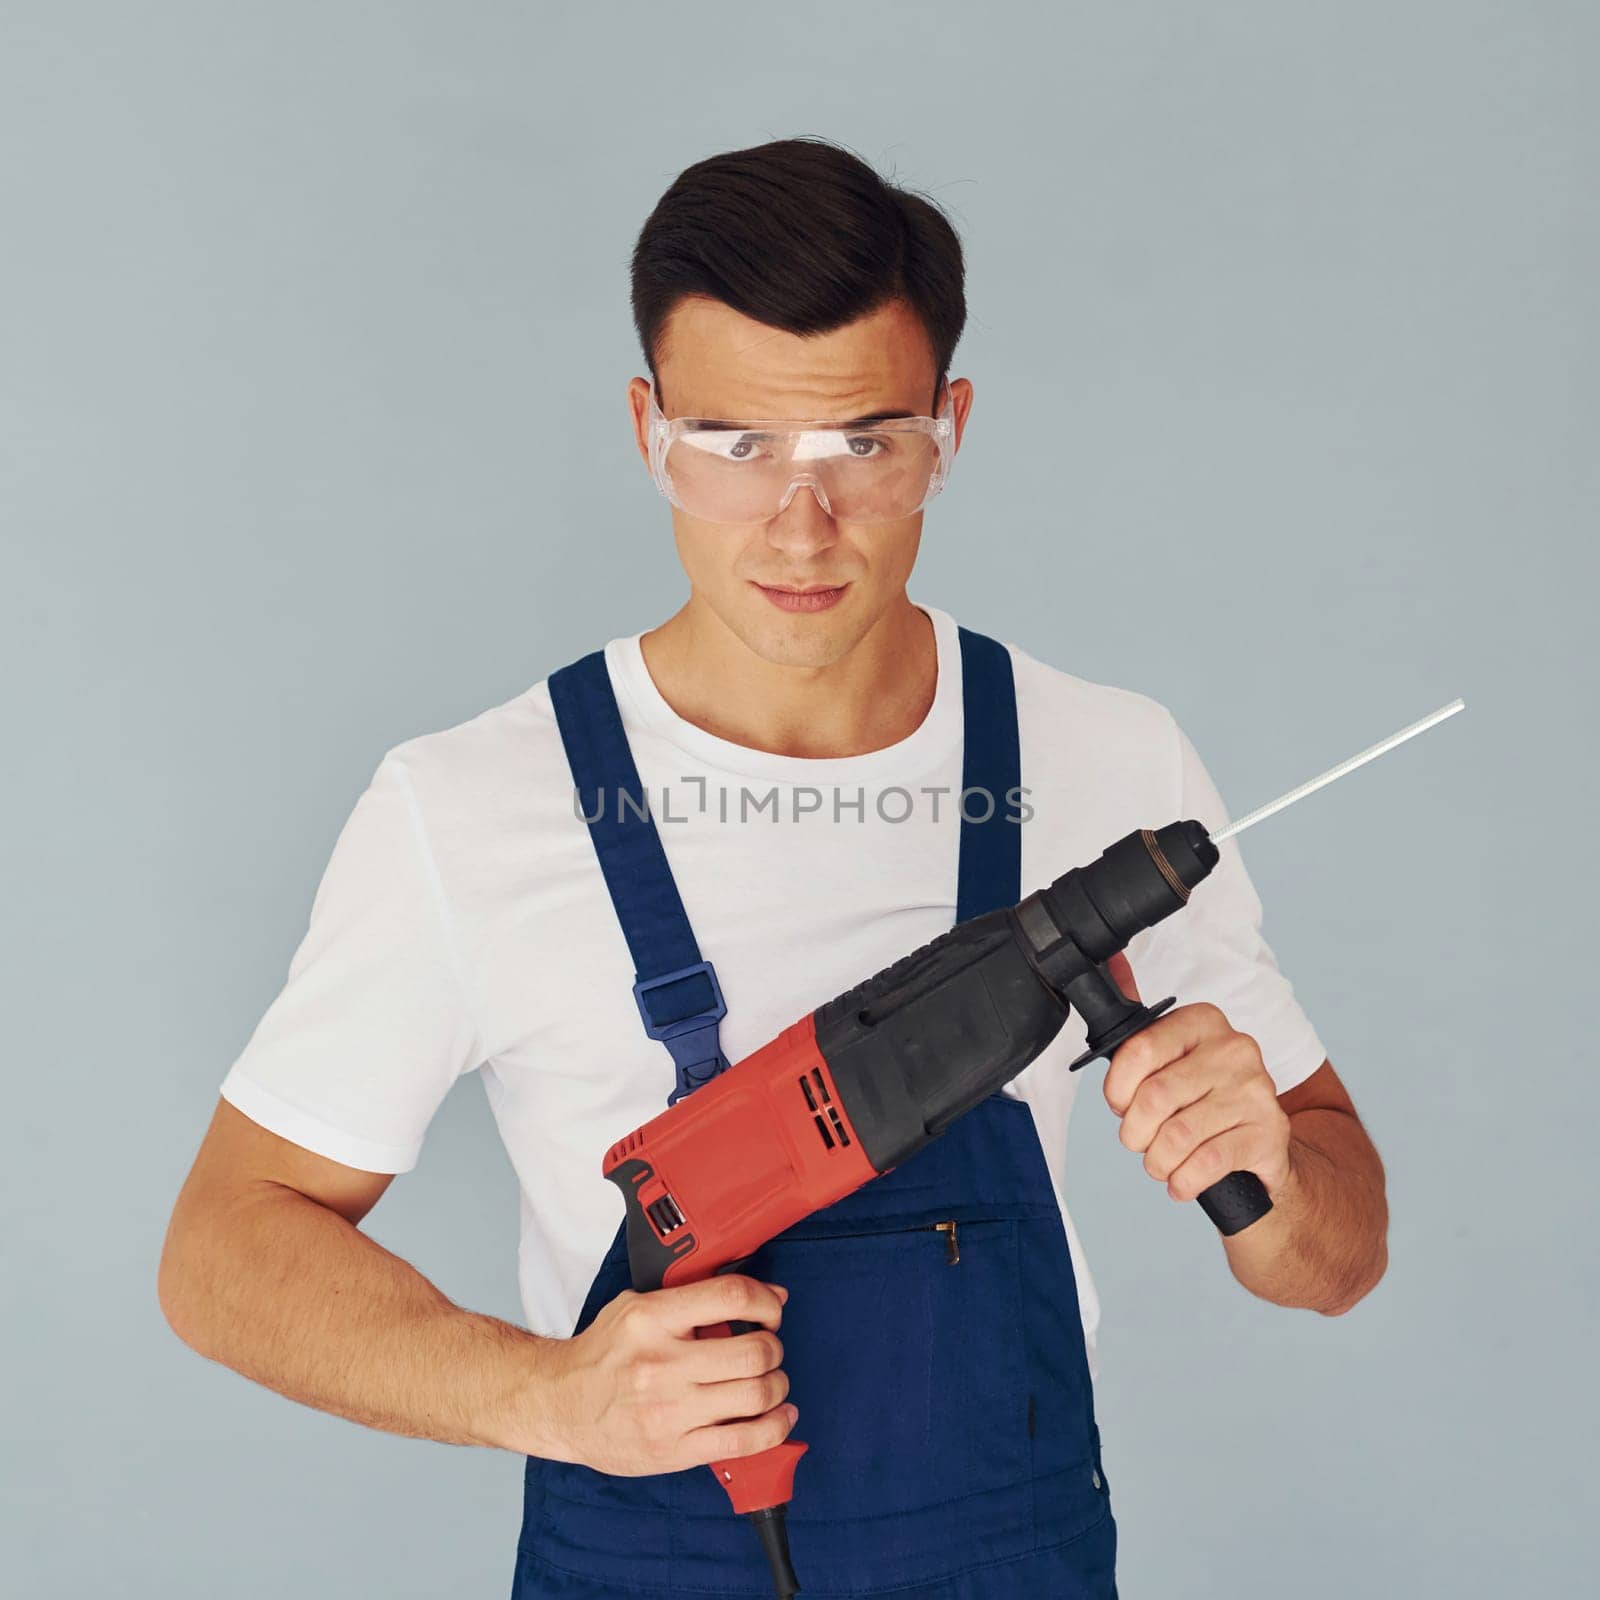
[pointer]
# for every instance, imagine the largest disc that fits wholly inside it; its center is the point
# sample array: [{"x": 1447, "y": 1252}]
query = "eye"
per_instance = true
[
  {"x": 730, "y": 446},
  {"x": 866, "y": 445}
]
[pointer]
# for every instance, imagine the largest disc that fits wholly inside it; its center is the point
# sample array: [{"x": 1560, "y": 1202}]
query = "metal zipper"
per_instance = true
[{"x": 948, "y": 1228}]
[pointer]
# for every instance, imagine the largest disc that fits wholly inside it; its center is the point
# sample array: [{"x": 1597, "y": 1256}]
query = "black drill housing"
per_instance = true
[{"x": 943, "y": 1028}]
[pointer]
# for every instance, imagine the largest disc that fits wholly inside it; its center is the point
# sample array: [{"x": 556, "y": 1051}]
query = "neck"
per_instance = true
[{"x": 877, "y": 694}]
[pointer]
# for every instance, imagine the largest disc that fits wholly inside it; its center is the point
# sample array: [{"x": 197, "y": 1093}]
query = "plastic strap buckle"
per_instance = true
[{"x": 691, "y": 1036}]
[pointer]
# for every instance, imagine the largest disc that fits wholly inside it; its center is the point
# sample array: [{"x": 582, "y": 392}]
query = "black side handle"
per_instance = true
[{"x": 1233, "y": 1202}]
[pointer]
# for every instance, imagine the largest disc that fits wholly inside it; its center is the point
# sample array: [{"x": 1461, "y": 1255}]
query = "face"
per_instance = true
[{"x": 714, "y": 362}]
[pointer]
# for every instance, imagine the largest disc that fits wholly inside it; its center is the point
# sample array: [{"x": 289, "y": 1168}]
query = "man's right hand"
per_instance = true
[
  {"x": 266, "y": 1270},
  {"x": 637, "y": 1393}
]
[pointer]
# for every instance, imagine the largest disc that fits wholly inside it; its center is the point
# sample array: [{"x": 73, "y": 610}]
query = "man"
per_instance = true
[{"x": 795, "y": 725}]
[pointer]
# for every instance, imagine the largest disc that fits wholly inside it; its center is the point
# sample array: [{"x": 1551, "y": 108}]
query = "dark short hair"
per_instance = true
[{"x": 799, "y": 234}]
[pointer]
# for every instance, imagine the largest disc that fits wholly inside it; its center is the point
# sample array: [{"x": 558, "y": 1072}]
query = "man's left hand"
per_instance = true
[{"x": 1195, "y": 1097}]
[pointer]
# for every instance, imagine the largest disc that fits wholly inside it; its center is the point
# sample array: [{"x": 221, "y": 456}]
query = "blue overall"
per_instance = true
[{"x": 940, "y": 1373}]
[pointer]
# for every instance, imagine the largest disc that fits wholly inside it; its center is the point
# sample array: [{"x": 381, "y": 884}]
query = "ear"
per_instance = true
[
  {"x": 639, "y": 410},
  {"x": 961, "y": 403}
]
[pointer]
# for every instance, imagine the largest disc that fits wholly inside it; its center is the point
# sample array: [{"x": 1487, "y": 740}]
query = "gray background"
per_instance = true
[{"x": 315, "y": 331}]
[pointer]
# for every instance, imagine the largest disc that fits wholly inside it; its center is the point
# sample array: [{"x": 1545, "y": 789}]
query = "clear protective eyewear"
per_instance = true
[{"x": 864, "y": 471}]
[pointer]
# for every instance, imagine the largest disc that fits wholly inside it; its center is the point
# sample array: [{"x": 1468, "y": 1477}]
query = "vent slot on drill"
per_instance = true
[
  {"x": 665, "y": 1214},
  {"x": 824, "y": 1113}
]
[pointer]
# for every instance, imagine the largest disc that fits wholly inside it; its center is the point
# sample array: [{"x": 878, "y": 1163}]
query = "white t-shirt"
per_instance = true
[{"x": 462, "y": 924}]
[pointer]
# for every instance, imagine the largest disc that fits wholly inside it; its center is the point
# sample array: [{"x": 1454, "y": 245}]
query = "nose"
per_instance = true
[
  {"x": 803, "y": 522},
  {"x": 805, "y": 481}
]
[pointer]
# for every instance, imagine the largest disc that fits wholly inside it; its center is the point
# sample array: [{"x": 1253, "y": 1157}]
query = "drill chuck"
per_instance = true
[
  {"x": 1137, "y": 882},
  {"x": 1070, "y": 929}
]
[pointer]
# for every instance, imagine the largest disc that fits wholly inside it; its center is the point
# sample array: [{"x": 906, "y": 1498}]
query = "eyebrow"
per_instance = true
[{"x": 854, "y": 422}]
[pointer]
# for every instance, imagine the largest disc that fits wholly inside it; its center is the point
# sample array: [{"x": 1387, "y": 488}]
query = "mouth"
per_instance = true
[{"x": 818, "y": 597}]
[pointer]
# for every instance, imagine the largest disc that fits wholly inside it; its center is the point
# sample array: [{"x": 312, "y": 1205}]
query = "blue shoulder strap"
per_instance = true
[
  {"x": 679, "y": 998},
  {"x": 675, "y": 989},
  {"x": 990, "y": 866}
]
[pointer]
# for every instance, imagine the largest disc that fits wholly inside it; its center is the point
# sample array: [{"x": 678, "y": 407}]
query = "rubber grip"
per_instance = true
[{"x": 1236, "y": 1201}]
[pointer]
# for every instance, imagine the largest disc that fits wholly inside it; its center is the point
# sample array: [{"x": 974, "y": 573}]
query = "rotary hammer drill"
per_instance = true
[{"x": 881, "y": 1071}]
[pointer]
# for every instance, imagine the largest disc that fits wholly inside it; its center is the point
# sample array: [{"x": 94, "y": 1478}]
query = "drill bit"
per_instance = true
[{"x": 1382, "y": 747}]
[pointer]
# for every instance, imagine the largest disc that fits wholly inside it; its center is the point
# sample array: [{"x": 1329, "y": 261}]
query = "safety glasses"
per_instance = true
[{"x": 865, "y": 471}]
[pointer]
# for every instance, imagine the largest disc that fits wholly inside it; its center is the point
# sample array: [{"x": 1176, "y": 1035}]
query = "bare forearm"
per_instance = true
[
  {"x": 291, "y": 1295},
  {"x": 1323, "y": 1245}
]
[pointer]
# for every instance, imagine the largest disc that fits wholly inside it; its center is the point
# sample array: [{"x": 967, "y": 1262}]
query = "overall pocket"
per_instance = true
[
  {"x": 905, "y": 1349},
  {"x": 905, "y": 1354}
]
